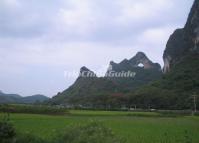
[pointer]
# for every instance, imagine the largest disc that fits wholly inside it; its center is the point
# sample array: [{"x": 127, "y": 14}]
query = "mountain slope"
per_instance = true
[
  {"x": 15, "y": 98},
  {"x": 181, "y": 68},
  {"x": 181, "y": 55},
  {"x": 146, "y": 71},
  {"x": 90, "y": 89},
  {"x": 84, "y": 89},
  {"x": 9, "y": 98},
  {"x": 173, "y": 91},
  {"x": 34, "y": 99},
  {"x": 183, "y": 42}
]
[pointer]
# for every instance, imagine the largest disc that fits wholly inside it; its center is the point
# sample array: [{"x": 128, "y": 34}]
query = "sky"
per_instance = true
[{"x": 42, "y": 40}]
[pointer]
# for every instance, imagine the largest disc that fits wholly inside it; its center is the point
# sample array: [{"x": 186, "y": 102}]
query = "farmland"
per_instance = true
[{"x": 135, "y": 127}]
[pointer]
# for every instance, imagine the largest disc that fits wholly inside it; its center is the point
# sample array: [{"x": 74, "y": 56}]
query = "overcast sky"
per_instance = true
[{"x": 40, "y": 40}]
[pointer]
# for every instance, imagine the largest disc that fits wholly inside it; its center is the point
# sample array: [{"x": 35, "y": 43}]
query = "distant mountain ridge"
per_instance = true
[
  {"x": 139, "y": 58},
  {"x": 85, "y": 89},
  {"x": 15, "y": 98}
]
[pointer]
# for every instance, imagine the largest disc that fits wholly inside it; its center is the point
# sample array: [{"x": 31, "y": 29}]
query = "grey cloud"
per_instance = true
[
  {"x": 42, "y": 38},
  {"x": 35, "y": 18}
]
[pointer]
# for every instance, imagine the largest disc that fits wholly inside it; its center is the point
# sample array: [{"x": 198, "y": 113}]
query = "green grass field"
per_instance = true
[{"x": 134, "y": 126}]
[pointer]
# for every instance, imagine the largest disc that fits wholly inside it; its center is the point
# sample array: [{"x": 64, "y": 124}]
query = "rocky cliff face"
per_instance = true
[
  {"x": 85, "y": 72},
  {"x": 183, "y": 41},
  {"x": 145, "y": 71},
  {"x": 140, "y": 60}
]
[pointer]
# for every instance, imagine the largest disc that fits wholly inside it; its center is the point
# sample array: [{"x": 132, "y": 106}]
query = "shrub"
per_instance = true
[
  {"x": 7, "y": 132},
  {"x": 93, "y": 132}
]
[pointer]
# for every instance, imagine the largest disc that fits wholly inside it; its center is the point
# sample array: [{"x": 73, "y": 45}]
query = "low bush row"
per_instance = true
[{"x": 32, "y": 109}]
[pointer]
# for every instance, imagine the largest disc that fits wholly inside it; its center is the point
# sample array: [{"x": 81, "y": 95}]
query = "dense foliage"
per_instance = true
[
  {"x": 101, "y": 92},
  {"x": 176, "y": 89},
  {"x": 32, "y": 109}
]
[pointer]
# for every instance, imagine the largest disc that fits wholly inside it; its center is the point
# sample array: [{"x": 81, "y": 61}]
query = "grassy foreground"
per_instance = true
[{"x": 134, "y": 126}]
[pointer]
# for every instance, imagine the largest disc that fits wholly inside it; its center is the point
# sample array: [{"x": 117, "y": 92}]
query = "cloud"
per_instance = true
[
  {"x": 155, "y": 36},
  {"x": 10, "y": 3},
  {"x": 39, "y": 40},
  {"x": 142, "y": 10},
  {"x": 77, "y": 17}
]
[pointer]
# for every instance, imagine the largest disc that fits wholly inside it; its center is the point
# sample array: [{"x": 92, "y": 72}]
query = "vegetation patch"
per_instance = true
[{"x": 32, "y": 109}]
